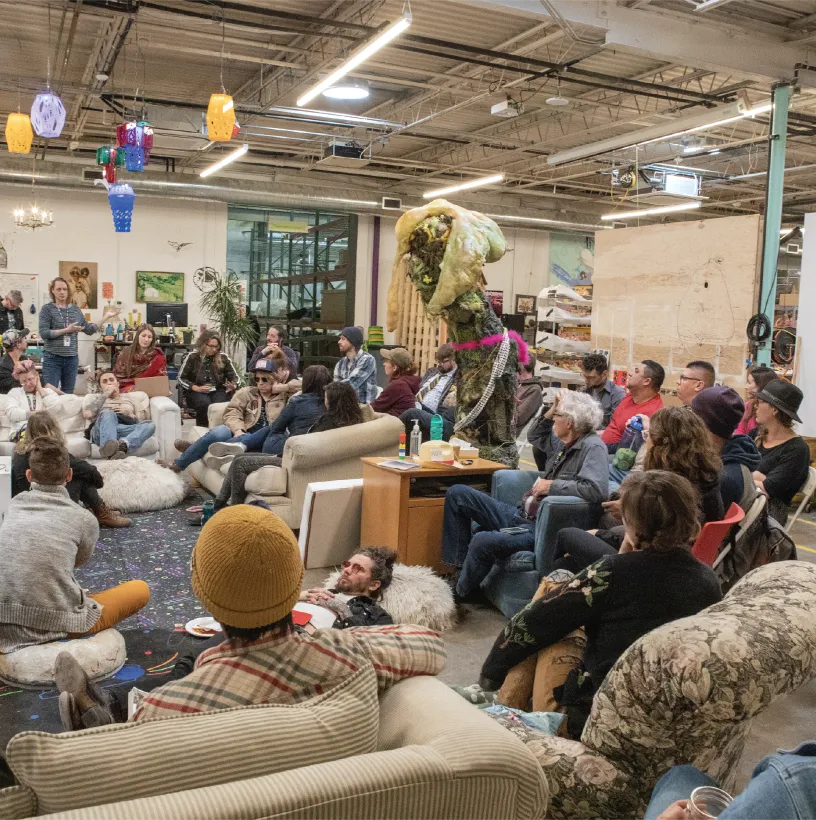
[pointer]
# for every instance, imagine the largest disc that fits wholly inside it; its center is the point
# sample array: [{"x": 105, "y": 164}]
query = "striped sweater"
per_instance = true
[
  {"x": 287, "y": 667},
  {"x": 54, "y": 318}
]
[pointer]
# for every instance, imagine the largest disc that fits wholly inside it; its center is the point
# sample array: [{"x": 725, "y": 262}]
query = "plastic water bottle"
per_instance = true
[
  {"x": 436, "y": 428},
  {"x": 416, "y": 439},
  {"x": 630, "y": 443}
]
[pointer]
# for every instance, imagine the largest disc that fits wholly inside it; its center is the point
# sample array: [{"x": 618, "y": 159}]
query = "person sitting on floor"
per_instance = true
[
  {"x": 721, "y": 410},
  {"x": 362, "y": 581},
  {"x": 529, "y": 395},
  {"x": 598, "y": 384},
  {"x": 643, "y": 398},
  {"x": 398, "y": 395},
  {"x": 697, "y": 376},
  {"x": 341, "y": 410},
  {"x": 275, "y": 340},
  {"x": 45, "y": 536},
  {"x": 356, "y": 367},
  {"x": 576, "y": 465},
  {"x": 29, "y": 397},
  {"x": 246, "y": 419},
  {"x": 247, "y": 572},
  {"x": 142, "y": 360},
  {"x": 755, "y": 380},
  {"x": 115, "y": 424},
  {"x": 652, "y": 581},
  {"x": 85, "y": 480},
  {"x": 784, "y": 456},
  {"x": 436, "y": 395},
  {"x": 207, "y": 376}
]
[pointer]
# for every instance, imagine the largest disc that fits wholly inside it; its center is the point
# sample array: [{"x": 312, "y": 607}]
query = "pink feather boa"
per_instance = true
[{"x": 490, "y": 341}]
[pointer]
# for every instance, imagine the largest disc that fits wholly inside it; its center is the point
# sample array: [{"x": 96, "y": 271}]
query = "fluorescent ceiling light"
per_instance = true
[
  {"x": 464, "y": 186},
  {"x": 351, "y": 90},
  {"x": 231, "y": 157},
  {"x": 658, "y": 133},
  {"x": 666, "y": 209},
  {"x": 542, "y": 221},
  {"x": 359, "y": 57}
]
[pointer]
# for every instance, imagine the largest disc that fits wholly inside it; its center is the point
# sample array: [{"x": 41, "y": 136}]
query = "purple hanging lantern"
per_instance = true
[
  {"x": 47, "y": 115},
  {"x": 121, "y": 199}
]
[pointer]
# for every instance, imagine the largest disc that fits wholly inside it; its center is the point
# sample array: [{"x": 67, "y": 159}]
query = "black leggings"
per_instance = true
[
  {"x": 200, "y": 403},
  {"x": 576, "y": 549}
]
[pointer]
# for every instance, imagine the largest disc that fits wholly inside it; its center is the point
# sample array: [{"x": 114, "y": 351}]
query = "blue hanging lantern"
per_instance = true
[
  {"x": 136, "y": 139},
  {"x": 47, "y": 115},
  {"x": 121, "y": 199}
]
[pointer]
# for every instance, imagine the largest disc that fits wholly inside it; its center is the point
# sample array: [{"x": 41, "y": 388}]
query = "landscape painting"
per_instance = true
[{"x": 159, "y": 286}]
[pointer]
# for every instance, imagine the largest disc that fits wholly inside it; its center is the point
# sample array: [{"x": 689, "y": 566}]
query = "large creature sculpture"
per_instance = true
[{"x": 442, "y": 248}]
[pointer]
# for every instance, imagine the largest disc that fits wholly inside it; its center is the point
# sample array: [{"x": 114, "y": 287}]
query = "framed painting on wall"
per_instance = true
[
  {"x": 81, "y": 278},
  {"x": 159, "y": 286},
  {"x": 525, "y": 304}
]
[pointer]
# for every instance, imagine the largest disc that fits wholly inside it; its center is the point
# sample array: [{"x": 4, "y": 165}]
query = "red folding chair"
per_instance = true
[{"x": 713, "y": 534}]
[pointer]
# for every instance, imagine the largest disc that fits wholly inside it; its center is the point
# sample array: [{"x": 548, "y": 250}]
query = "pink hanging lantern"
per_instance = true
[
  {"x": 136, "y": 140},
  {"x": 47, "y": 115}
]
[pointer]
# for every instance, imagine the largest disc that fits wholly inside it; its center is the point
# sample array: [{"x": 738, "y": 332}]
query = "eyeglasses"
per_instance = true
[
  {"x": 263, "y": 379},
  {"x": 353, "y": 567},
  {"x": 561, "y": 415},
  {"x": 684, "y": 378}
]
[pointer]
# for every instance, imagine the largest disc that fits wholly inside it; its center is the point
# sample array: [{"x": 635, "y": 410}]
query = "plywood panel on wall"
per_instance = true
[{"x": 677, "y": 292}]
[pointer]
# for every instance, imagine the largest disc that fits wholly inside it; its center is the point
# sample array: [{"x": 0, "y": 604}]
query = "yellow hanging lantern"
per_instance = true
[
  {"x": 220, "y": 118},
  {"x": 19, "y": 133}
]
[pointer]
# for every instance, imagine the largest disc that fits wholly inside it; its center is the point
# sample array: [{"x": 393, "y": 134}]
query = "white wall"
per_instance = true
[
  {"x": 524, "y": 269},
  {"x": 806, "y": 331},
  {"x": 83, "y": 231}
]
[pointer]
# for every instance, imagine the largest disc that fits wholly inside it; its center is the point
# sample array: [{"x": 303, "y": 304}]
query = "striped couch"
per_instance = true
[{"x": 432, "y": 755}]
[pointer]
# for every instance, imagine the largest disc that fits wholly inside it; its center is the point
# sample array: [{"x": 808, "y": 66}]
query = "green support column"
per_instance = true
[{"x": 773, "y": 211}]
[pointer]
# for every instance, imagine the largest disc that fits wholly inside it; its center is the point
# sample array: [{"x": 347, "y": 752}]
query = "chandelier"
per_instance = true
[{"x": 33, "y": 218}]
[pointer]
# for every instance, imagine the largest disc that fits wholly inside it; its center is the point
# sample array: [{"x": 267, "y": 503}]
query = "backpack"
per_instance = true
[{"x": 764, "y": 542}]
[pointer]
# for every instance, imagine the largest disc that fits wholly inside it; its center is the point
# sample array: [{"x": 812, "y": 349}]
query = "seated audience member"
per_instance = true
[
  {"x": 644, "y": 383},
  {"x": 14, "y": 346},
  {"x": 781, "y": 787},
  {"x": 576, "y": 465},
  {"x": 697, "y": 376},
  {"x": 755, "y": 381},
  {"x": 721, "y": 409},
  {"x": 652, "y": 581},
  {"x": 437, "y": 389},
  {"x": 784, "y": 456},
  {"x": 356, "y": 367},
  {"x": 363, "y": 579},
  {"x": 246, "y": 417},
  {"x": 11, "y": 314},
  {"x": 528, "y": 394},
  {"x": 85, "y": 478},
  {"x": 398, "y": 395},
  {"x": 141, "y": 360},
  {"x": 207, "y": 376},
  {"x": 342, "y": 410},
  {"x": 246, "y": 571},
  {"x": 115, "y": 426},
  {"x": 45, "y": 536},
  {"x": 598, "y": 384},
  {"x": 677, "y": 441},
  {"x": 275, "y": 339},
  {"x": 29, "y": 397}
]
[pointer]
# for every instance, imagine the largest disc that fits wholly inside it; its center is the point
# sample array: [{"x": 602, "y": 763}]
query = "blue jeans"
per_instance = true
[
  {"x": 60, "y": 371},
  {"x": 106, "y": 428},
  {"x": 198, "y": 449},
  {"x": 275, "y": 443},
  {"x": 475, "y": 554}
]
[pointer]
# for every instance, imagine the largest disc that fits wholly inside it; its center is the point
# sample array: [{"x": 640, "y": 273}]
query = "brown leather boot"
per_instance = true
[
  {"x": 181, "y": 444},
  {"x": 110, "y": 518}
]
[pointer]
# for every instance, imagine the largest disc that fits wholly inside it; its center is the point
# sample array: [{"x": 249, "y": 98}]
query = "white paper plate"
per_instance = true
[{"x": 202, "y": 623}]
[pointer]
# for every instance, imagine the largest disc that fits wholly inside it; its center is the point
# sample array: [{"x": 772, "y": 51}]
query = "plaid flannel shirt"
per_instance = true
[
  {"x": 287, "y": 667},
  {"x": 361, "y": 373}
]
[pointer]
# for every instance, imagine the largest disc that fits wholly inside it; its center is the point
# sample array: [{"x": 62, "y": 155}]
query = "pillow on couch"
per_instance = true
[{"x": 132, "y": 760}]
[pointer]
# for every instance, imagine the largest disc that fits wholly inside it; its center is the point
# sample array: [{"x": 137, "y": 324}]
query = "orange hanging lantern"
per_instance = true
[
  {"x": 19, "y": 133},
  {"x": 220, "y": 118}
]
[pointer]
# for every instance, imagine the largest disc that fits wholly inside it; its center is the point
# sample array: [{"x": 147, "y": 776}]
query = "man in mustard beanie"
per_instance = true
[{"x": 247, "y": 571}]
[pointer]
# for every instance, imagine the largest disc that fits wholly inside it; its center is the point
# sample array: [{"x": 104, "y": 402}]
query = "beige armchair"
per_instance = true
[{"x": 327, "y": 456}]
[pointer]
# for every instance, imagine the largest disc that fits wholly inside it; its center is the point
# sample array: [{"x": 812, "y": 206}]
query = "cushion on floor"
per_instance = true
[
  {"x": 137, "y": 485},
  {"x": 415, "y": 596},
  {"x": 100, "y": 655}
]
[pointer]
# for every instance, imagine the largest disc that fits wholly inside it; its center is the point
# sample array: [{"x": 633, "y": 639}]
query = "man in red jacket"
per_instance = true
[
  {"x": 399, "y": 394},
  {"x": 643, "y": 399}
]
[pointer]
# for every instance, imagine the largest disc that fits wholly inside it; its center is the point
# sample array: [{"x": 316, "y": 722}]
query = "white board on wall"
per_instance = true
[{"x": 28, "y": 285}]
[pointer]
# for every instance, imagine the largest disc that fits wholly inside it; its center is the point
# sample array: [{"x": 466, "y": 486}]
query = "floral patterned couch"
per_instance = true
[{"x": 686, "y": 693}]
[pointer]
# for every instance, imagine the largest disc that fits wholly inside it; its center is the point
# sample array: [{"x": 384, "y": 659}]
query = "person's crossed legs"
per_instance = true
[{"x": 485, "y": 549}]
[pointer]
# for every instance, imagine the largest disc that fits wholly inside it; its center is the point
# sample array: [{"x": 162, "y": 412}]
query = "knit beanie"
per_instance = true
[
  {"x": 246, "y": 567},
  {"x": 354, "y": 335},
  {"x": 720, "y": 409}
]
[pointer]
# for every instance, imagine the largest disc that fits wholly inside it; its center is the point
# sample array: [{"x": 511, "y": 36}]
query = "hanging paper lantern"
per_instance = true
[
  {"x": 135, "y": 139},
  {"x": 220, "y": 118},
  {"x": 19, "y": 134},
  {"x": 121, "y": 198},
  {"x": 47, "y": 115},
  {"x": 109, "y": 158},
  {"x": 236, "y": 129}
]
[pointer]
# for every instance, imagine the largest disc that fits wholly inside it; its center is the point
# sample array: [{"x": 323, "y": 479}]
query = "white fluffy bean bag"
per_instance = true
[
  {"x": 416, "y": 596},
  {"x": 137, "y": 485}
]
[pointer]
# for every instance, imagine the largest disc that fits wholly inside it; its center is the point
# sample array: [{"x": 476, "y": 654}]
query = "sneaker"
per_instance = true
[
  {"x": 82, "y": 704},
  {"x": 181, "y": 444},
  {"x": 226, "y": 448},
  {"x": 217, "y": 463},
  {"x": 109, "y": 449},
  {"x": 121, "y": 452}
]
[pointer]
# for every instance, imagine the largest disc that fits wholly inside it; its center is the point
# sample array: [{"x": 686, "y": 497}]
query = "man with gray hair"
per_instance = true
[
  {"x": 576, "y": 465},
  {"x": 11, "y": 316}
]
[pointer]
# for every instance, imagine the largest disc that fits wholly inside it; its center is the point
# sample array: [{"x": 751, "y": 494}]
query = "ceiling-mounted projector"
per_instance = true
[{"x": 507, "y": 108}]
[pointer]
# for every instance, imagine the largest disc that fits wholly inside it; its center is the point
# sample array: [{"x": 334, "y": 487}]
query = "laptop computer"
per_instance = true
[{"x": 153, "y": 386}]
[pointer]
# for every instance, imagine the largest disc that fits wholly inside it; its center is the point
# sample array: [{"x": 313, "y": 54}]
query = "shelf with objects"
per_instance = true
[
  {"x": 786, "y": 311},
  {"x": 563, "y": 337},
  {"x": 299, "y": 267}
]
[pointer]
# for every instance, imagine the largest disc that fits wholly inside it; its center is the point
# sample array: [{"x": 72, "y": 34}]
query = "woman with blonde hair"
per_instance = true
[
  {"x": 141, "y": 360},
  {"x": 86, "y": 479}
]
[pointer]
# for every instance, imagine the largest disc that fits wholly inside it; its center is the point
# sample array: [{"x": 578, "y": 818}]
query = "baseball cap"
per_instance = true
[
  {"x": 400, "y": 357},
  {"x": 265, "y": 366}
]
